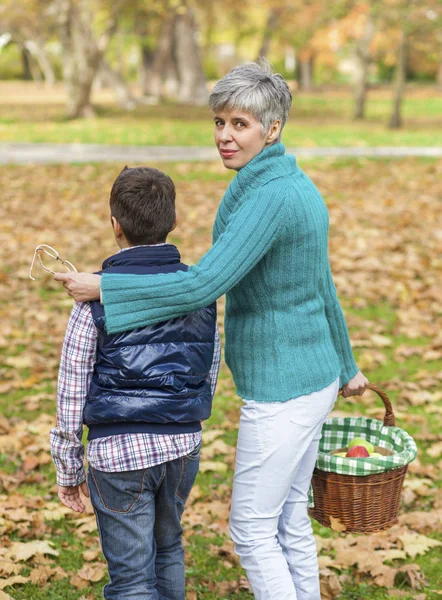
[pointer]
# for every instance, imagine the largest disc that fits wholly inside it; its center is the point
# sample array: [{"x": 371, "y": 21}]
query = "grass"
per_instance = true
[
  {"x": 323, "y": 118},
  {"x": 60, "y": 191}
]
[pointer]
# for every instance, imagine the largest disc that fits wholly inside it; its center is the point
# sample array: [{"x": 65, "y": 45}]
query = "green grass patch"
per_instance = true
[{"x": 317, "y": 119}]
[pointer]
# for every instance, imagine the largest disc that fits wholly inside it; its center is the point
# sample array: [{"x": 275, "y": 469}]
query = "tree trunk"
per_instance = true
[
  {"x": 26, "y": 64},
  {"x": 211, "y": 27},
  {"x": 36, "y": 49},
  {"x": 305, "y": 64},
  {"x": 399, "y": 83},
  {"x": 82, "y": 53},
  {"x": 192, "y": 82},
  {"x": 115, "y": 80},
  {"x": 270, "y": 27},
  {"x": 162, "y": 72},
  {"x": 176, "y": 71},
  {"x": 439, "y": 72},
  {"x": 146, "y": 64},
  {"x": 362, "y": 55}
]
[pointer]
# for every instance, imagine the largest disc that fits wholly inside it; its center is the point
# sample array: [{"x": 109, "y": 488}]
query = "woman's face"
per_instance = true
[{"x": 239, "y": 137}]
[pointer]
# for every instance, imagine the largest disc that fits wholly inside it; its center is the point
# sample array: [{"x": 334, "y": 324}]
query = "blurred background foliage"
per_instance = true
[{"x": 147, "y": 52}]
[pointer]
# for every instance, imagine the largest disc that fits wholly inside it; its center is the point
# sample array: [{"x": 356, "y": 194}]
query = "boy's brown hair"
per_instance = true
[{"x": 142, "y": 200}]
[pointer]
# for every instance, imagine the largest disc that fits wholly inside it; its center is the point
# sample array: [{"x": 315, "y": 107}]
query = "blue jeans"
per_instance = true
[{"x": 139, "y": 521}]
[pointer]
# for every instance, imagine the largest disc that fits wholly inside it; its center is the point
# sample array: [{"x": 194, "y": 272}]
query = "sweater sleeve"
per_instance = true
[
  {"x": 339, "y": 331},
  {"x": 132, "y": 301}
]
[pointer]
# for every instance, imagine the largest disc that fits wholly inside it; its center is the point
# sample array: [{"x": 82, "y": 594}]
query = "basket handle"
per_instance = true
[{"x": 389, "y": 418}]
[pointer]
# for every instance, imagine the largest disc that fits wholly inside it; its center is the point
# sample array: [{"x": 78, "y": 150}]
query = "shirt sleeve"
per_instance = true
[
  {"x": 339, "y": 330},
  {"x": 214, "y": 369},
  {"x": 132, "y": 301},
  {"x": 74, "y": 377}
]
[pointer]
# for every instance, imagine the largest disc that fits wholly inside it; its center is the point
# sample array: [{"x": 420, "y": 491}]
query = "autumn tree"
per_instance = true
[
  {"x": 29, "y": 24},
  {"x": 272, "y": 23},
  {"x": 306, "y": 28},
  {"x": 174, "y": 69},
  {"x": 362, "y": 53},
  {"x": 407, "y": 18},
  {"x": 85, "y": 38}
]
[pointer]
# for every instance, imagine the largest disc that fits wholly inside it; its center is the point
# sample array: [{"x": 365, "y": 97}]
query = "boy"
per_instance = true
[{"x": 143, "y": 395}]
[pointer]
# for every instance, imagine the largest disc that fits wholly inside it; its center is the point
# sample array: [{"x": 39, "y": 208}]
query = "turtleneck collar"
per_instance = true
[
  {"x": 157, "y": 255},
  {"x": 271, "y": 163}
]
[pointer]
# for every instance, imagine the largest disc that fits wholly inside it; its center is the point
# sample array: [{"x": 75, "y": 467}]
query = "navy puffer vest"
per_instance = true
[{"x": 153, "y": 379}]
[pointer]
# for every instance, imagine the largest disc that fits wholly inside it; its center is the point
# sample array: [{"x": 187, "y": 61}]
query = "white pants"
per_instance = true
[{"x": 269, "y": 523}]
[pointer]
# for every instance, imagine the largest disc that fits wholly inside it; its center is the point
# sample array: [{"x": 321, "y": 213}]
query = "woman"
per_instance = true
[{"x": 287, "y": 342}]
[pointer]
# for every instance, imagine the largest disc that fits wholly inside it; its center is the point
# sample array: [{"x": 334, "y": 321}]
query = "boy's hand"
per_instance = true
[
  {"x": 356, "y": 386},
  {"x": 70, "y": 496},
  {"x": 83, "y": 287}
]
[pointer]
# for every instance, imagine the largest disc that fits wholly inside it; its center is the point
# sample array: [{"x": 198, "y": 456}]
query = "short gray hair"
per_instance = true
[{"x": 256, "y": 89}]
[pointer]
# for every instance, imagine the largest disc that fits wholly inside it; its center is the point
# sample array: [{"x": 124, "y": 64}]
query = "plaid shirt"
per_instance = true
[{"x": 125, "y": 452}]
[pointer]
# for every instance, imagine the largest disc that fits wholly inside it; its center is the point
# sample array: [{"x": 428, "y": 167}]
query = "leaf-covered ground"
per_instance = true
[
  {"x": 386, "y": 248},
  {"x": 34, "y": 113}
]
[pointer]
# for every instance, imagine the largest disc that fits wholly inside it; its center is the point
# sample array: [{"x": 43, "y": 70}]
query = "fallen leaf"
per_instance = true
[
  {"x": 92, "y": 572},
  {"x": 78, "y": 582},
  {"x": 212, "y": 434},
  {"x": 217, "y": 467},
  {"x": 41, "y": 574},
  {"x": 22, "y": 551},
  {"x": 90, "y": 555},
  {"x": 337, "y": 525},
  {"x": 435, "y": 450},
  {"x": 15, "y": 580},
  {"x": 415, "y": 543},
  {"x": 218, "y": 447},
  {"x": 330, "y": 585},
  {"x": 413, "y": 576}
]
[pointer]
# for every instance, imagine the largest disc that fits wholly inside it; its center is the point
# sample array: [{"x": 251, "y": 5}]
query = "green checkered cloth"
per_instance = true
[{"x": 337, "y": 432}]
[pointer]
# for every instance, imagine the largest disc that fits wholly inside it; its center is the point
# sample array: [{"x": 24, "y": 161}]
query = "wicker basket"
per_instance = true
[{"x": 363, "y": 504}]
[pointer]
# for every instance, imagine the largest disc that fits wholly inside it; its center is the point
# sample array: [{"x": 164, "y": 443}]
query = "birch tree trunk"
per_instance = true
[
  {"x": 362, "y": 55},
  {"x": 399, "y": 82}
]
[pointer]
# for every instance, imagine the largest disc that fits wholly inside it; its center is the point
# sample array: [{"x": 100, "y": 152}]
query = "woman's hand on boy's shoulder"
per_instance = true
[{"x": 83, "y": 287}]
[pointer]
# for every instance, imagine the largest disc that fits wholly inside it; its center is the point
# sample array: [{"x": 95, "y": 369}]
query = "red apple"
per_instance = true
[{"x": 358, "y": 452}]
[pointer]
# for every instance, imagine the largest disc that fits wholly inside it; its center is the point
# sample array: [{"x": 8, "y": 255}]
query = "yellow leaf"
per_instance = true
[
  {"x": 435, "y": 450},
  {"x": 18, "y": 362},
  {"x": 54, "y": 511},
  {"x": 337, "y": 525},
  {"x": 90, "y": 555},
  {"x": 218, "y": 467},
  {"x": 415, "y": 543},
  {"x": 93, "y": 572},
  {"x": 41, "y": 574},
  {"x": 218, "y": 447},
  {"x": 212, "y": 434},
  {"x": 22, "y": 551},
  {"x": 16, "y": 579}
]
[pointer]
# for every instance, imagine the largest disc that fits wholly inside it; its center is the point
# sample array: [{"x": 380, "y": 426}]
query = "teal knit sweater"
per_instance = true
[{"x": 286, "y": 334}]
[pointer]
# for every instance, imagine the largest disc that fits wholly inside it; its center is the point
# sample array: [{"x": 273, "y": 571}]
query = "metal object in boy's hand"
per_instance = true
[{"x": 43, "y": 251}]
